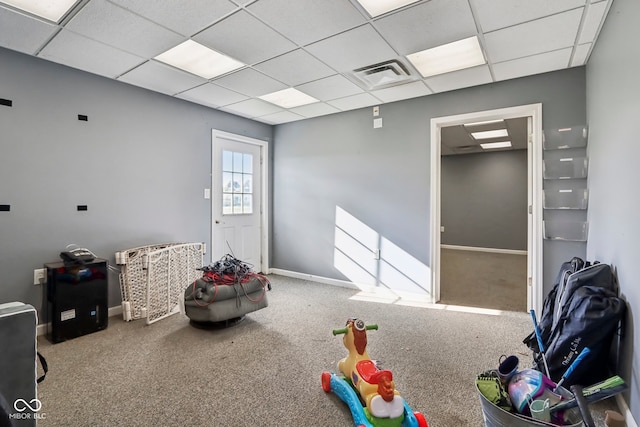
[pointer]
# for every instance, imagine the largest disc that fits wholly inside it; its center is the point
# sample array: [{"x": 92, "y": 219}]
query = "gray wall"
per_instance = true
[
  {"x": 140, "y": 163},
  {"x": 613, "y": 106},
  {"x": 484, "y": 200},
  {"x": 381, "y": 176}
]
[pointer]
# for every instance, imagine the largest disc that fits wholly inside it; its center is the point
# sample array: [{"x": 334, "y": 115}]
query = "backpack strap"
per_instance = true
[{"x": 45, "y": 367}]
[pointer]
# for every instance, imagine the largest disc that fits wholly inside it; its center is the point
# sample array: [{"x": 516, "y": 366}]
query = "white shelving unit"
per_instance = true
[{"x": 565, "y": 171}]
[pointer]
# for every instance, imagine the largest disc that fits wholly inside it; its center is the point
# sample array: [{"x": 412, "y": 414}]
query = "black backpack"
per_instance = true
[{"x": 582, "y": 310}]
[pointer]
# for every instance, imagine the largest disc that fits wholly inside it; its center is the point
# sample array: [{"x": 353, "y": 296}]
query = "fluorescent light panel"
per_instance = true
[
  {"x": 494, "y": 145},
  {"x": 199, "y": 60},
  {"x": 487, "y": 134},
  {"x": 379, "y": 7},
  {"x": 288, "y": 98},
  {"x": 53, "y": 10},
  {"x": 458, "y": 55},
  {"x": 488, "y": 122}
]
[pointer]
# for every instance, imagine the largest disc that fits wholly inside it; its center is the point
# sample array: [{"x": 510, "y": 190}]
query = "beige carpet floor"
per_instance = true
[
  {"x": 483, "y": 279},
  {"x": 265, "y": 371}
]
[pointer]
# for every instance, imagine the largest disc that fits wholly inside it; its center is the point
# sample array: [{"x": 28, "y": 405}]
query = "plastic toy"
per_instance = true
[{"x": 369, "y": 392}]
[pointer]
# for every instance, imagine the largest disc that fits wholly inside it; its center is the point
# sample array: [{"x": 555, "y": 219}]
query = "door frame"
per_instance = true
[
  {"x": 264, "y": 190},
  {"x": 534, "y": 194}
]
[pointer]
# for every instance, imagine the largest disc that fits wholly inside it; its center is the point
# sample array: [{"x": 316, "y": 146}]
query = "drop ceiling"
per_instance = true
[
  {"x": 459, "y": 139},
  {"x": 313, "y": 46}
]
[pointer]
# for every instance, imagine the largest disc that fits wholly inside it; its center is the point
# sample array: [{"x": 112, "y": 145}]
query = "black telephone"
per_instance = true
[{"x": 77, "y": 256}]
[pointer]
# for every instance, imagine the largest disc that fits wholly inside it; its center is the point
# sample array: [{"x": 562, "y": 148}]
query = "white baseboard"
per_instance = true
[
  {"x": 113, "y": 311},
  {"x": 314, "y": 278},
  {"x": 477, "y": 249}
]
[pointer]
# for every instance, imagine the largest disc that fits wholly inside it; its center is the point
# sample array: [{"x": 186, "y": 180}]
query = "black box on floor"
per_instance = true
[{"x": 76, "y": 299}]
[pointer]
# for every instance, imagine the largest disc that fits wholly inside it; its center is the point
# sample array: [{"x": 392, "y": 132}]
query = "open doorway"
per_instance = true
[
  {"x": 483, "y": 213},
  {"x": 530, "y": 157}
]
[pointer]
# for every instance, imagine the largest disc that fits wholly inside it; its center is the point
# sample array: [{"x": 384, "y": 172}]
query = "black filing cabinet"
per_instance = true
[{"x": 76, "y": 299}]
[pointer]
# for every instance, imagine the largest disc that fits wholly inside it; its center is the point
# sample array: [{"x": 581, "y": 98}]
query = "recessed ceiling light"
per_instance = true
[
  {"x": 47, "y": 9},
  {"x": 465, "y": 53},
  {"x": 289, "y": 98},
  {"x": 493, "y": 145},
  {"x": 488, "y": 122},
  {"x": 199, "y": 60},
  {"x": 379, "y": 7},
  {"x": 498, "y": 133}
]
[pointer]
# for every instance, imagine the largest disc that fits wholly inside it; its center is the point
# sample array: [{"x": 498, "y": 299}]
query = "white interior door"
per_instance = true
[{"x": 237, "y": 199}]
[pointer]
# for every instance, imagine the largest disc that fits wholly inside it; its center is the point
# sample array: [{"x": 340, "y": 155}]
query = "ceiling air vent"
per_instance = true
[
  {"x": 465, "y": 148},
  {"x": 384, "y": 74}
]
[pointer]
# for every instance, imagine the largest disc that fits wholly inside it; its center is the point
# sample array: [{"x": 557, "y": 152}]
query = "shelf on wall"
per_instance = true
[
  {"x": 563, "y": 138},
  {"x": 572, "y": 231},
  {"x": 565, "y": 168},
  {"x": 565, "y": 198}
]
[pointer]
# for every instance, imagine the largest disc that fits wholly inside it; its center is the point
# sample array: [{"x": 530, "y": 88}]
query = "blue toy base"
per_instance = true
[{"x": 340, "y": 386}]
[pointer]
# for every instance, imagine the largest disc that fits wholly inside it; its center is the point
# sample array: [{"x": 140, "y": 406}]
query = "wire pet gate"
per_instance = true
[{"x": 153, "y": 278}]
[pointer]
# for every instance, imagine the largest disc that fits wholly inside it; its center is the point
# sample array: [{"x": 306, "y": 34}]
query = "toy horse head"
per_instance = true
[{"x": 355, "y": 335}]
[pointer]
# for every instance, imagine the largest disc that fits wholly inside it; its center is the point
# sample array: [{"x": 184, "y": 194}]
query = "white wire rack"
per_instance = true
[{"x": 153, "y": 278}]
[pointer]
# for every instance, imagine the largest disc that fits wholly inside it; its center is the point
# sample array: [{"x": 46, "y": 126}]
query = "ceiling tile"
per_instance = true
[
  {"x": 244, "y": 38},
  {"x": 295, "y": 68},
  {"x": 250, "y": 82},
  {"x": 211, "y": 95},
  {"x": 427, "y": 25},
  {"x": 310, "y": 45},
  {"x": 536, "y": 64},
  {"x": 161, "y": 78},
  {"x": 460, "y": 79},
  {"x": 355, "y": 101},
  {"x": 85, "y": 54},
  {"x": 315, "y": 109},
  {"x": 580, "y": 55},
  {"x": 23, "y": 33},
  {"x": 174, "y": 15},
  {"x": 353, "y": 49},
  {"x": 252, "y": 108},
  {"x": 456, "y": 139},
  {"x": 330, "y": 88},
  {"x": 496, "y": 14},
  {"x": 595, "y": 16},
  {"x": 542, "y": 35},
  {"x": 405, "y": 91},
  {"x": 307, "y": 21},
  {"x": 117, "y": 27},
  {"x": 281, "y": 117}
]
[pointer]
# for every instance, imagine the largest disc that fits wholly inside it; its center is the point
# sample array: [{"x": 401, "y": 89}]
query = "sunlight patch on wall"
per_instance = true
[
  {"x": 401, "y": 271},
  {"x": 354, "y": 259},
  {"x": 382, "y": 270}
]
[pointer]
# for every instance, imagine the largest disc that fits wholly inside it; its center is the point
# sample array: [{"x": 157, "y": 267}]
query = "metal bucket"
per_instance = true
[{"x": 494, "y": 416}]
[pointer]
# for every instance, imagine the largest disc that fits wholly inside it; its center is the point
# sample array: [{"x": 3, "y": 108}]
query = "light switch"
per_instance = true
[
  {"x": 377, "y": 123},
  {"x": 207, "y": 193}
]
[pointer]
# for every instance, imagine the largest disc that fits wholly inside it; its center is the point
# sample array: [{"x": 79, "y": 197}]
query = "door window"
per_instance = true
[{"x": 237, "y": 183}]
